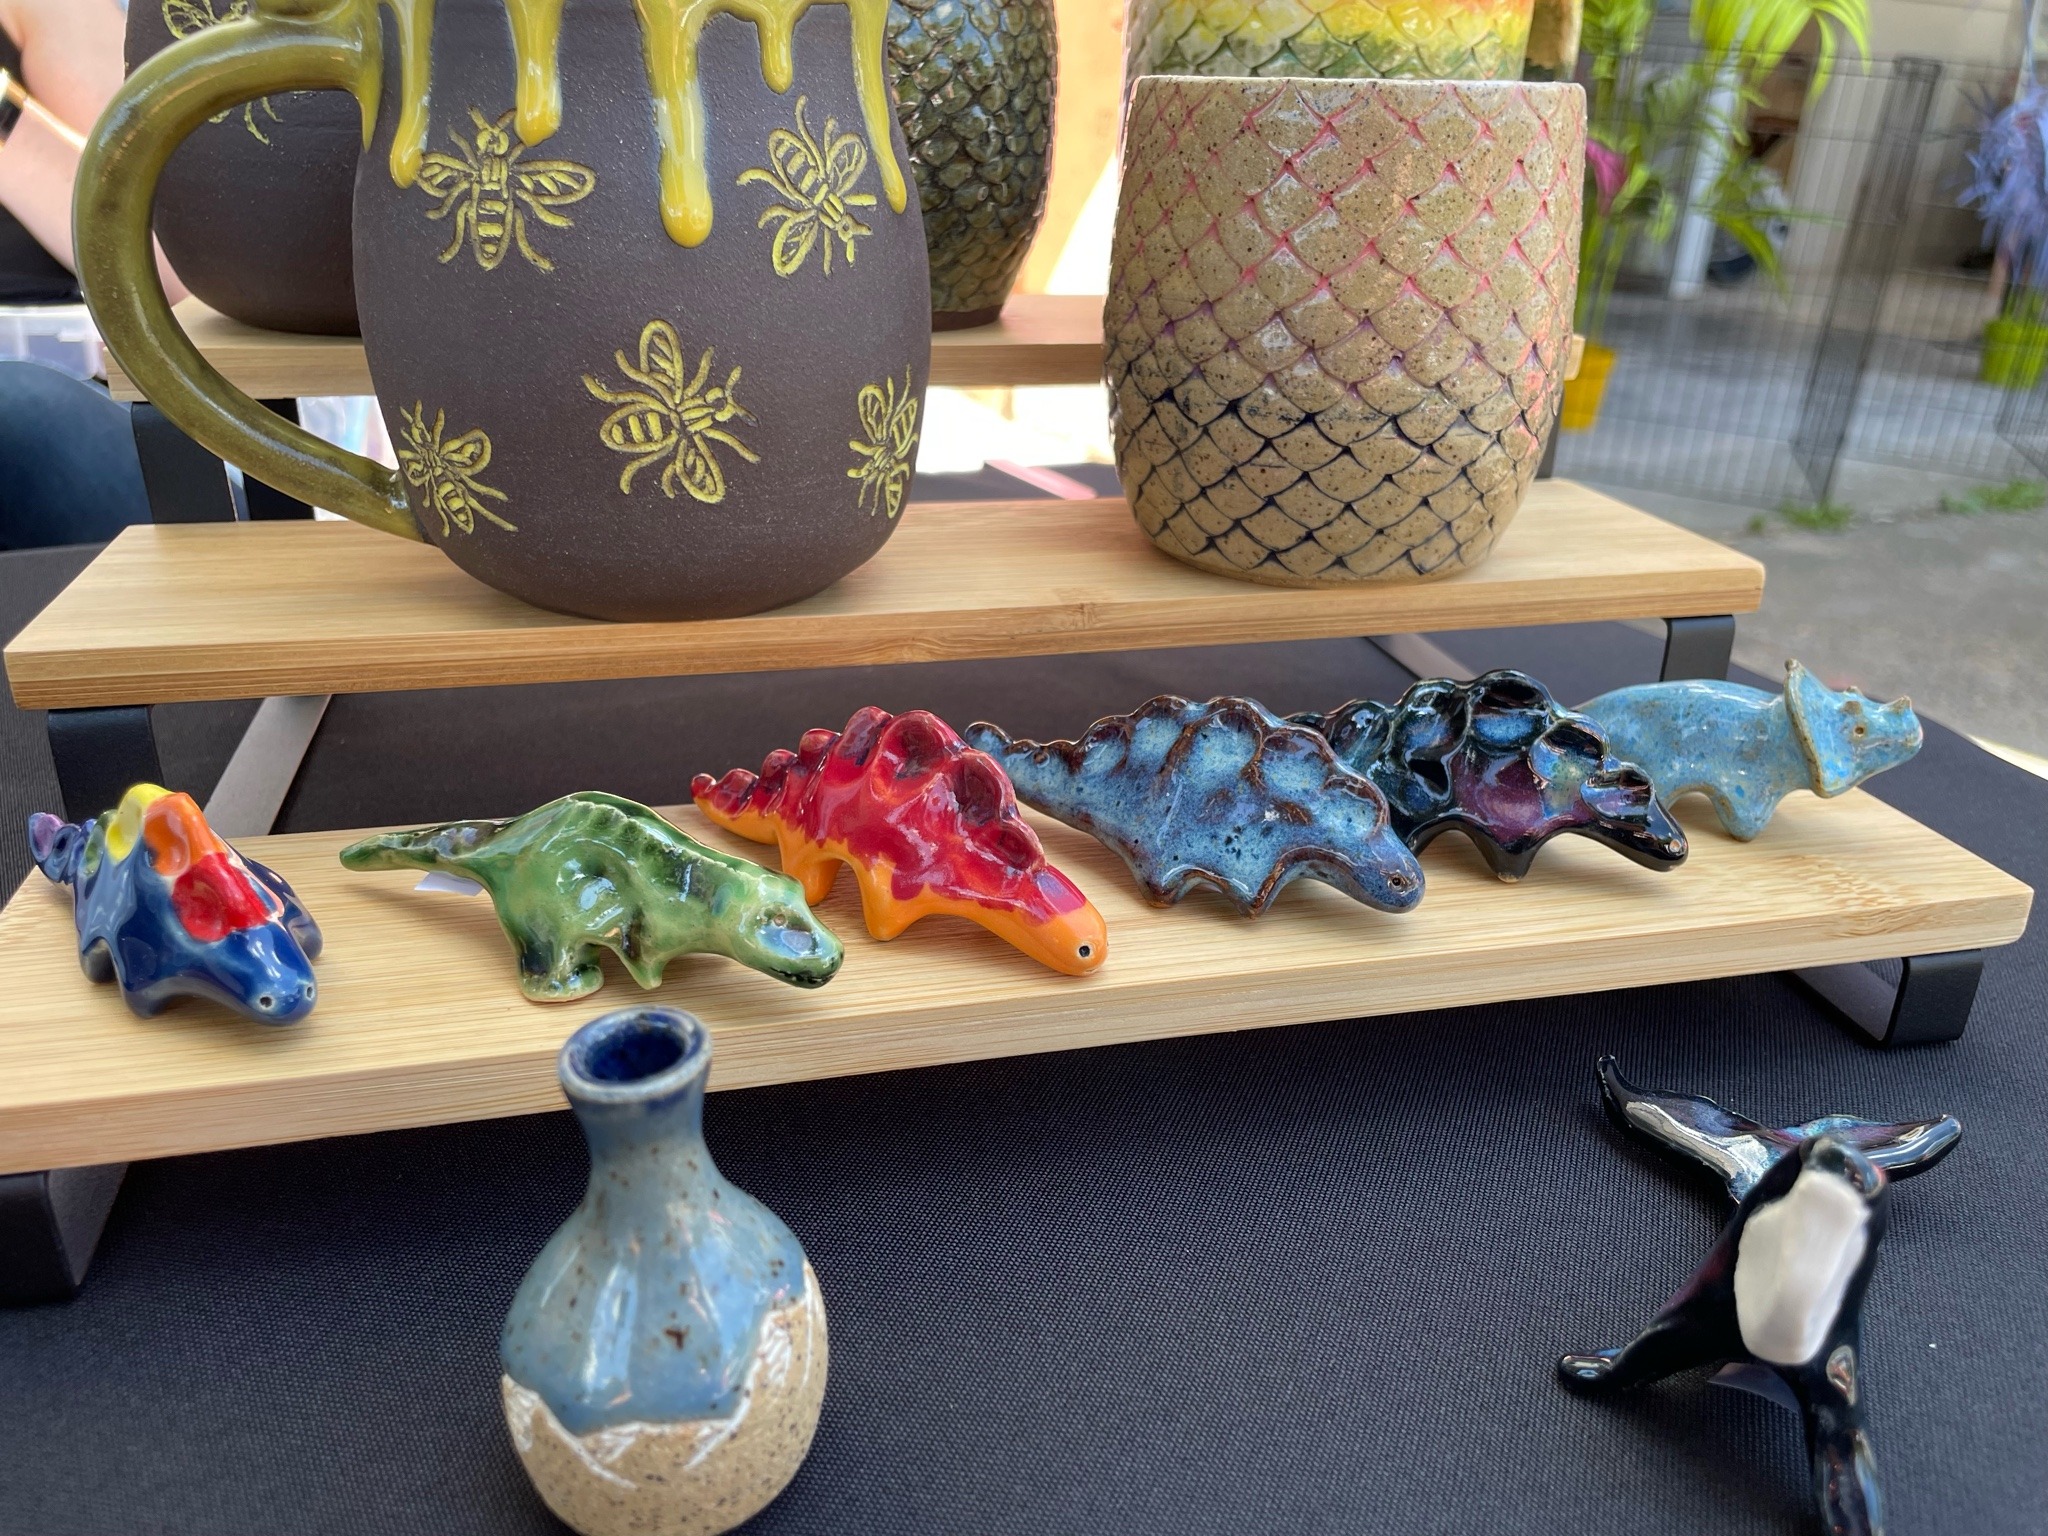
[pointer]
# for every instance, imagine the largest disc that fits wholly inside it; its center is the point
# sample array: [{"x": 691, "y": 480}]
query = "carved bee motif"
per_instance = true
[
  {"x": 815, "y": 180},
  {"x": 886, "y": 457},
  {"x": 490, "y": 190},
  {"x": 447, "y": 469},
  {"x": 672, "y": 417},
  {"x": 184, "y": 17}
]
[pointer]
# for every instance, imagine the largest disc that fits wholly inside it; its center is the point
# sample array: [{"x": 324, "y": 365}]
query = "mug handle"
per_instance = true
[{"x": 280, "y": 45}]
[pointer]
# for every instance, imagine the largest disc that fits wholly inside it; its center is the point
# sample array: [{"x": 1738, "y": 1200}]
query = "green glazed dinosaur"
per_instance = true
[{"x": 591, "y": 871}]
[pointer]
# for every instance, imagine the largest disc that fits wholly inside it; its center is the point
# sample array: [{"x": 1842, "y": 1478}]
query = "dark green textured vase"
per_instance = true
[{"x": 974, "y": 92}]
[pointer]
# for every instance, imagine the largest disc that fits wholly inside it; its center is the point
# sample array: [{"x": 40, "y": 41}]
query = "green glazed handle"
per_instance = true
[{"x": 281, "y": 45}]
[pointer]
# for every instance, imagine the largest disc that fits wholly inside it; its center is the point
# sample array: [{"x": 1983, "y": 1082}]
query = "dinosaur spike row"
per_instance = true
[
  {"x": 1222, "y": 794},
  {"x": 928, "y": 825},
  {"x": 168, "y": 909}
]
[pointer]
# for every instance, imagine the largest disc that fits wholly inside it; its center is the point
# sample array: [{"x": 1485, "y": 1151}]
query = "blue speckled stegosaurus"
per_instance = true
[{"x": 1222, "y": 794}]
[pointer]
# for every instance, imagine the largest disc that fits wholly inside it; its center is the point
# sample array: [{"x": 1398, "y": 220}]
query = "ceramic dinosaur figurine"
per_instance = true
[
  {"x": 593, "y": 871},
  {"x": 168, "y": 910},
  {"x": 1740, "y": 1151},
  {"x": 1498, "y": 760},
  {"x": 1746, "y": 749},
  {"x": 1222, "y": 794},
  {"x": 1780, "y": 1299},
  {"x": 928, "y": 825}
]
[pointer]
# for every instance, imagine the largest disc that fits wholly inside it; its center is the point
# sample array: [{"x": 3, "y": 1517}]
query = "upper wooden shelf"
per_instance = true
[
  {"x": 420, "y": 1019},
  {"x": 1041, "y": 339},
  {"x": 241, "y": 610}
]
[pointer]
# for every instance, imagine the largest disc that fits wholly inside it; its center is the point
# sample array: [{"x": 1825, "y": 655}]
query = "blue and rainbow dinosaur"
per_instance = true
[{"x": 169, "y": 910}]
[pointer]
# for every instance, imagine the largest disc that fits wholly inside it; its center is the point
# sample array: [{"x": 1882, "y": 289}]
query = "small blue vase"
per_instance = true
[{"x": 665, "y": 1355}]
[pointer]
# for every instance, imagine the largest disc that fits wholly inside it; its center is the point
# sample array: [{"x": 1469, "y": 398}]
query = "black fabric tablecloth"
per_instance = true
[{"x": 1291, "y": 1280}]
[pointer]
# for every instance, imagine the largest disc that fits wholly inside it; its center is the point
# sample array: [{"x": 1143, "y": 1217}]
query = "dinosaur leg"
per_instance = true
[
  {"x": 1745, "y": 818},
  {"x": 550, "y": 972},
  {"x": 886, "y": 917},
  {"x": 1692, "y": 1330},
  {"x": 642, "y": 963},
  {"x": 812, "y": 868},
  {"x": 1844, "y": 1468},
  {"x": 97, "y": 961}
]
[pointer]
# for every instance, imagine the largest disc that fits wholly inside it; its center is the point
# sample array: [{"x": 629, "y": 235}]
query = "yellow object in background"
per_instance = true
[
  {"x": 1553, "y": 51},
  {"x": 1582, "y": 395}
]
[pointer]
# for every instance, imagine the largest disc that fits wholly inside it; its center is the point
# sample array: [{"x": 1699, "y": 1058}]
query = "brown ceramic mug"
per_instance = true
[
  {"x": 642, "y": 289},
  {"x": 253, "y": 209},
  {"x": 1338, "y": 318}
]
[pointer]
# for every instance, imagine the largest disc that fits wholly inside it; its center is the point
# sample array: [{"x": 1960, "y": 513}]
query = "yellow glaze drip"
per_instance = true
[
  {"x": 536, "y": 40},
  {"x": 415, "y": 20},
  {"x": 124, "y": 827},
  {"x": 670, "y": 30}
]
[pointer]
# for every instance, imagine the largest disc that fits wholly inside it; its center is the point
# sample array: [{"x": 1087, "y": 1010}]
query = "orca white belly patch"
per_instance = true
[{"x": 1793, "y": 1263}]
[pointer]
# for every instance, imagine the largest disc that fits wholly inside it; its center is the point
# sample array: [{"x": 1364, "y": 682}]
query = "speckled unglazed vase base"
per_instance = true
[
  {"x": 694, "y": 1478},
  {"x": 1338, "y": 318},
  {"x": 1328, "y": 39},
  {"x": 974, "y": 92}
]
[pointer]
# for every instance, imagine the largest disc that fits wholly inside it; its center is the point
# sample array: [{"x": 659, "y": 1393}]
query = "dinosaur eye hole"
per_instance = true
[
  {"x": 1087, "y": 950},
  {"x": 1398, "y": 881},
  {"x": 1860, "y": 730}
]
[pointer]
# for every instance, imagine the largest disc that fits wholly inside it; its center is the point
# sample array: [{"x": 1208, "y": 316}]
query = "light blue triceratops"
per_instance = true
[{"x": 1746, "y": 749}]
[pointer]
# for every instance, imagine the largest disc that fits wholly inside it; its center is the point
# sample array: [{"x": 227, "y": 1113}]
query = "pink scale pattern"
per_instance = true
[{"x": 1338, "y": 318}]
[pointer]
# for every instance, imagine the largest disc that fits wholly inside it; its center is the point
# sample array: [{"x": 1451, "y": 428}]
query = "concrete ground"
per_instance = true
[{"x": 1949, "y": 608}]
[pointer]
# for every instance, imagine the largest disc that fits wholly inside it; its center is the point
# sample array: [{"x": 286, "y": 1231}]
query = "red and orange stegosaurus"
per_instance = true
[{"x": 928, "y": 825}]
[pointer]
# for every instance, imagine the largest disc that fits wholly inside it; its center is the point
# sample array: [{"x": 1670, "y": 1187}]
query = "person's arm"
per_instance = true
[{"x": 71, "y": 66}]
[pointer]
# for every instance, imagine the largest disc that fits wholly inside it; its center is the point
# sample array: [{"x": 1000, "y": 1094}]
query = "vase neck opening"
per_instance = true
[{"x": 637, "y": 1073}]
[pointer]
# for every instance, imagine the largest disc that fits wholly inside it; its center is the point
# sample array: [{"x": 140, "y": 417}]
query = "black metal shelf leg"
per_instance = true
[
  {"x": 266, "y": 503},
  {"x": 184, "y": 482},
  {"x": 1698, "y": 647},
  {"x": 50, "y": 1223},
  {"x": 1931, "y": 1003},
  {"x": 101, "y": 752}
]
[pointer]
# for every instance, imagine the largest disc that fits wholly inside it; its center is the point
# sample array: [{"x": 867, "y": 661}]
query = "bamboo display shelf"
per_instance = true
[
  {"x": 1040, "y": 339},
  {"x": 420, "y": 1020},
  {"x": 175, "y": 613}
]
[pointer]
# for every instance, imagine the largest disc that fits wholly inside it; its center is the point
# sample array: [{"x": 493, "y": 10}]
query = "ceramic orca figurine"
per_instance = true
[
  {"x": 1782, "y": 1291},
  {"x": 168, "y": 910},
  {"x": 1740, "y": 1151},
  {"x": 1746, "y": 749},
  {"x": 1498, "y": 760}
]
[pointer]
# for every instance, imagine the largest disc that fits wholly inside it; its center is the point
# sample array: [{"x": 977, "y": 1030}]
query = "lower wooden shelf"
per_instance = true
[{"x": 420, "y": 1022}]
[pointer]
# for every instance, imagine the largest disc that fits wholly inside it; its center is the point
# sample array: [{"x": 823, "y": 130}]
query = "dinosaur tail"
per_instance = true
[
  {"x": 743, "y": 803},
  {"x": 54, "y": 844},
  {"x": 426, "y": 848}
]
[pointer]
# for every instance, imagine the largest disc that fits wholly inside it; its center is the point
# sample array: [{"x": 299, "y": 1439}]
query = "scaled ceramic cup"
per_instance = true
[
  {"x": 665, "y": 1355},
  {"x": 974, "y": 92},
  {"x": 1338, "y": 318}
]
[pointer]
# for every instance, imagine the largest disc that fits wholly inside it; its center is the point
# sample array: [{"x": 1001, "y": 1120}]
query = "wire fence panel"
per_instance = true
[{"x": 1868, "y": 346}]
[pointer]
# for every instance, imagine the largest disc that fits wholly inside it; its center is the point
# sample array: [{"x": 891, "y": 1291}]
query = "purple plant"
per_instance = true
[
  {"x": 2011, "y": 189},
  {"x": 1610, "y": 171}
]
